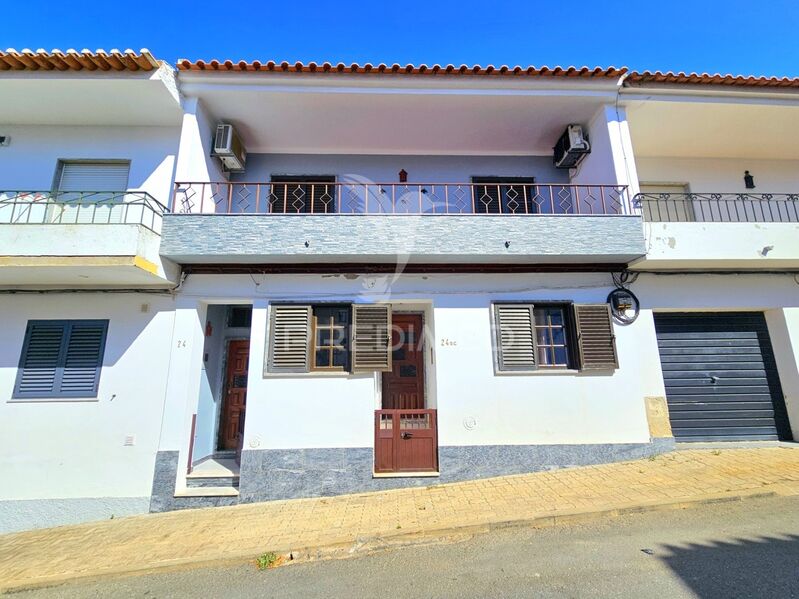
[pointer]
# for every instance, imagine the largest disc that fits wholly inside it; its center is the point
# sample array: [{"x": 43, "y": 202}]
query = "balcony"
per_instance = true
[
  {"x": 82, "y": 239},
  {"x": 425, "y": 223},
  {"x": 720, "y": 230}
]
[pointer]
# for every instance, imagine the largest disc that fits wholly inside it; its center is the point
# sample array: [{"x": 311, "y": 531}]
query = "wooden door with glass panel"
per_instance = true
[{"x": 406, "y": 437}]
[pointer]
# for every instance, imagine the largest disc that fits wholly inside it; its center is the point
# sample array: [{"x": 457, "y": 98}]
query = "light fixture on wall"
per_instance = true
[
  {"x": 749, "y": 180},
  {"x": 403, "y": 176}
]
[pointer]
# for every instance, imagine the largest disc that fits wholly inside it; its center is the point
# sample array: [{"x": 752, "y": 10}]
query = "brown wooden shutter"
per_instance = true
[
  {"x": 596, "y": 341},
  {"x": 289, "y": 339},
  {"x": 515, "y": 337},
  {"x": 371, "y": 338}
]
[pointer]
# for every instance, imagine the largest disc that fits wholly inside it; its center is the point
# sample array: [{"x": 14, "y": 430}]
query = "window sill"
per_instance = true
[
  {"x": 53, "y": 400},
  {"x": 540, "y": 372},
  {"x": 317, "y": 375}
]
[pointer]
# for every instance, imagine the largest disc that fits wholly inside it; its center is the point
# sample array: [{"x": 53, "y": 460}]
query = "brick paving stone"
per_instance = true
[{"x": 158, "y": 540}]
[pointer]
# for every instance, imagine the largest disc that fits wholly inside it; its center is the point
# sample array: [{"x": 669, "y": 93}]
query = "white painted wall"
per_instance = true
[
  {"x": 337, "y": 410},
  {"x": 29, "y": 162},
  {"x": 212, "y": 379},
  {"x": 313, "y": 410},
  {"x": 720, "y": 245},
  {"x": 75, "y": 449},
  {"x": 705, "y": 175},
  {"x": 783, "y": 326},
  {"x": 385, "y": 169}
]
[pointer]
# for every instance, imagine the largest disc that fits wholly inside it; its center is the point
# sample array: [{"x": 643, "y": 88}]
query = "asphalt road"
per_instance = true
[{"x": 742, "y": 549}]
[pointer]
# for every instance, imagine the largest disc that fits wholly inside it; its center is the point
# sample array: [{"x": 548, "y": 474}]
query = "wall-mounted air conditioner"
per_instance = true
[
  {"x": 571, "y": 148},
  {"x": 229, "y": 149}
]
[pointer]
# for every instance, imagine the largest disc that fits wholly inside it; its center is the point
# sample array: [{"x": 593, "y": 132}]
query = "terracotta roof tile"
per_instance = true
[
  {"x": 72, "y": 60},
  {"x": 395, "y": 69},
  {"x": 646, "y": 77}
]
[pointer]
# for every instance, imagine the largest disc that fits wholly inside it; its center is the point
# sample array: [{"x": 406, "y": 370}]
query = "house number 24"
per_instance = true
[{"x": 448, "y": 342}]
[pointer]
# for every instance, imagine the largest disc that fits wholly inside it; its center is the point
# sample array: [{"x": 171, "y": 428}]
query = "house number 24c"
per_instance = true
[{"x": 448, "y": 342}]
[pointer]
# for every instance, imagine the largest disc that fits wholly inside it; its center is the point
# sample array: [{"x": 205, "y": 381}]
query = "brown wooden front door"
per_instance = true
[
  {"x": 235, "y": 394},
  {"x": 403, "y": 387},
  {"x": 406, "y": 437}
]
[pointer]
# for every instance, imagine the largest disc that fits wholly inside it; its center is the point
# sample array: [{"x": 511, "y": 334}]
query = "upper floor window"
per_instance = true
[
  {"x": 666, "y": 202},
  {"x": 298, "y": 194},
  {"x": 504, "y": 195},
  {"x": 61, "y": 359},
  {"x": 90, "y": 191},
  {"x": 86, "y": 179}
]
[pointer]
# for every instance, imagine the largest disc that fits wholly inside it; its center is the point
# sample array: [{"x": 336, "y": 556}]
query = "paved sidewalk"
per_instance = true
[{"x": 229, "y": 534}]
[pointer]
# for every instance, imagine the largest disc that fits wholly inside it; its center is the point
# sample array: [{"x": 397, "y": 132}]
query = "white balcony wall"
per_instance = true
[
  {"x": 30, "y": 162},
  {"x": 723, "y": 175},
  {"x": 74, "y": 460}
]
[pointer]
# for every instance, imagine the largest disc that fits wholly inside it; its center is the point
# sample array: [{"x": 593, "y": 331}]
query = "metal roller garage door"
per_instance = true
[{"x": 721, "y": 378}]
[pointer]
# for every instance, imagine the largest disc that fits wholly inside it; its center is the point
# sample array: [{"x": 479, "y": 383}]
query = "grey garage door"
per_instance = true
[{"x": 721, "y": 378}]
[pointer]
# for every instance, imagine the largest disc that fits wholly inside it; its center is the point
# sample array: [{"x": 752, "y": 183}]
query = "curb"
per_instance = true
[{"x": 361, "y": 546}]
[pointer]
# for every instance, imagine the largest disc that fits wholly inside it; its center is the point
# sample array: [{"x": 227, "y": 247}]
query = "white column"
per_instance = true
[
  {"x": 611, "y": 160},
  {"x": 183, "y": 381},
  {"x": 783, "y": 328},
  {"x": 194, "y": 162}
]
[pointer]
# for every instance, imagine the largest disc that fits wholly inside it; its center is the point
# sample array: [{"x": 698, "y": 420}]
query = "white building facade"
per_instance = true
[{"x": 397, "y": 286}]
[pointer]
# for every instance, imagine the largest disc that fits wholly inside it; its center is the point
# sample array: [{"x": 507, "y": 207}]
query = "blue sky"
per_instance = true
[{"x": 714, "y": 36}]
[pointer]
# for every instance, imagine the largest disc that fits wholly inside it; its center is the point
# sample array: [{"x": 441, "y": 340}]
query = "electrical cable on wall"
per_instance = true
[{"x": 624, "y": 305}]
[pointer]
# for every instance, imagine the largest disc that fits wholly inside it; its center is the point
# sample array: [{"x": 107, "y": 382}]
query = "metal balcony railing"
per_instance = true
[
  {"x": 81, "y": 207},
  {"x": 718, "y": 207},
  {"x": 303, "y": 197}
]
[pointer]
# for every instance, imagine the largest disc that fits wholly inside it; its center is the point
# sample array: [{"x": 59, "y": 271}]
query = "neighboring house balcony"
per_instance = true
[
  {"x": 719, "y": 230},
  {"x": 485, "y": 221},
  {"x": 82, "y": 239}
]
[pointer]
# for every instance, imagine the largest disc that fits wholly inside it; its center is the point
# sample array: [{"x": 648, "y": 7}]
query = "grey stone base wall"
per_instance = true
[
  {"x": 163, "y": 497},
  {"x": 293, "y": 473},
  {"x": 26, "y": 514},
  {"x": 271, "y": 474}
]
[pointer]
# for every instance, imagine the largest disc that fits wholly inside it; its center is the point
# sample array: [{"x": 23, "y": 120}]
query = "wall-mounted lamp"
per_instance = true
[
  {"x": 403, "y": 176},
  {"x": 749, "y": 180}
]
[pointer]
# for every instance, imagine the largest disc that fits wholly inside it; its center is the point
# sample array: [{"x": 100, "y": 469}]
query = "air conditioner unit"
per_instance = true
[
  {"x": 229, "y": 149},
  {"x": 571, "y": 147}
]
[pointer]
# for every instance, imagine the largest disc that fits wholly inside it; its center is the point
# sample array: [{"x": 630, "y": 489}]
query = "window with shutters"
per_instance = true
[
  {"x": 61, "y": 359},
  {"x": 596, "y": 341},
  {"x": 551, "y": 336},
  {"x": 329, "y": 338}
]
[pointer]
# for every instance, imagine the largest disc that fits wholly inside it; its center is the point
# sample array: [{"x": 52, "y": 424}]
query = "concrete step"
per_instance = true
[{"x": 205, "y": 481}]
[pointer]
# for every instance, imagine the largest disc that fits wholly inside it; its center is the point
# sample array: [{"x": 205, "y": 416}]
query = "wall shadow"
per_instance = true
[{"x": 759, "y": 567}]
